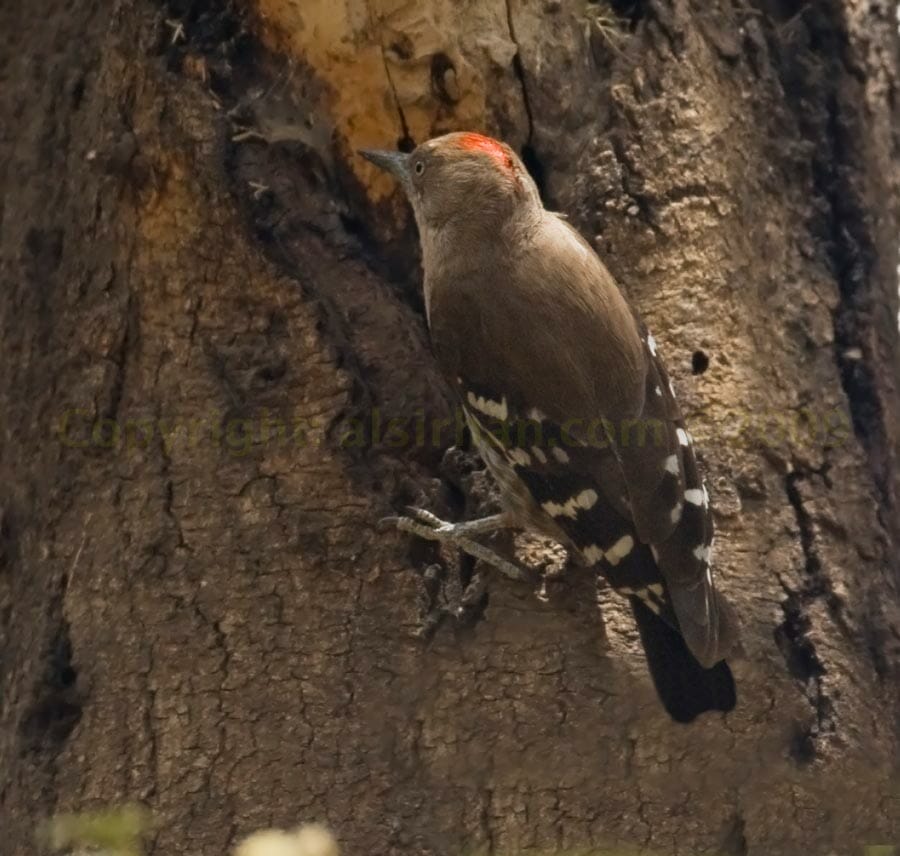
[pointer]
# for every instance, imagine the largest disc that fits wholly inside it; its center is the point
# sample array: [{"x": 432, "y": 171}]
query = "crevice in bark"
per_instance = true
[
  {"x": 792, "y": 635},
  {"x": 812, "y": 73},
  {"x": 520, "y": 71},
  {"x": 823, "y": 86},
  {"x": 120, "y": 358},
  {"x": 735, "y": 843},
  {"x": 820, "y": 582},
  {"x": 876, "y": 633},
  {"x": 406, "y": 142},
  {"x": 56, "y": 707},
  {"x": 853, "y": 260},
  {"x": 535, "y": 167},
  {"x": 529, "y": 154},
  {"x": 164, "y": 551},
  {"x": 43, "y": 251},
  {"x": 486, "y": 827}
]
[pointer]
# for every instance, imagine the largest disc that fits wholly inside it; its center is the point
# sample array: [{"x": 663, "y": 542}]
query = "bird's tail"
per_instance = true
[{"x": 686, "y": 689}]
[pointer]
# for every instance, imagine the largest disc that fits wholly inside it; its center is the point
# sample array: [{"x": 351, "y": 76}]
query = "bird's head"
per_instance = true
[{"x": 461, "y": 178}]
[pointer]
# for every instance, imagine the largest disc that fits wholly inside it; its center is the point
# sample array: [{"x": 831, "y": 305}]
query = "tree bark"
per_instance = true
[{"x": 207, "y": 296}]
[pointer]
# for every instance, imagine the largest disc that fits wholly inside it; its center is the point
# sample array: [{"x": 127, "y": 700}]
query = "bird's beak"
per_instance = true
[{"x": 396, "y": 163}]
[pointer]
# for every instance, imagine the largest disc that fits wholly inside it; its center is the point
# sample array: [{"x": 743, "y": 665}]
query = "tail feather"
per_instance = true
[
  {"x": 685, "y": 688},
  {"x": 706, "y": 619}
]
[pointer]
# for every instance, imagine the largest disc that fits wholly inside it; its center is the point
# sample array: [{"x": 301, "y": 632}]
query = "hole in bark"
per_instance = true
[
  {"x": 402, "y": 47},
  {"x": 443, "y": 78},
  {"x": 406, "y": 143},
  {"x": 630, "y": 10},
  {"x": 207, "y": 24},
  {"x": 699, "y": 362},
  {"x": 273, "y": 373}
]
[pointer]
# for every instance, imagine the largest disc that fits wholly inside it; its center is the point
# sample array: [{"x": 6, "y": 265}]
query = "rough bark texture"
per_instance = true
[{"x": 215, "y": 626}]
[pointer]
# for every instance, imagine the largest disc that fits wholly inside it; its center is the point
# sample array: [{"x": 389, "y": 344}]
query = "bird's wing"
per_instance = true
[
  {"x": 583, "y": 486},
  {"x": 672, "y": 515}
]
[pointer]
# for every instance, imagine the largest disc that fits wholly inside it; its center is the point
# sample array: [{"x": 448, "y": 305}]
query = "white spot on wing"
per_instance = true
[
  {"x": 683, "y": 437},
  {"x": 656, "y": 588},
  {"x": 586, "y": 499},
  {"x": 658, "y": 391},
  {"x": 519, "y": 457},
  {"x": 672, "y": 388},
  {"x": 619, "y": 550},
  {"x": 672, "y": 464},
  {"x": 651, "y": 344},
  {"x": 701, "y": 553},
  {"x": 488, "y": 406},
  {"x": 694, "y": 496},
  {"x": 536, "y": 415},
  {"x": 592, "y": 554},
  {"x": 539, "y": 454},
  {"x": 560, "y": 454},
  {"x": 705, "y": 497},
  {"x": 651, "y": 604},
  {"x": 676, "y": 512}
]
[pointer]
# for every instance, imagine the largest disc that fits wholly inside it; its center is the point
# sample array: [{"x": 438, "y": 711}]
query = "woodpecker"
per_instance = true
[{"x": 569, "y": 404}]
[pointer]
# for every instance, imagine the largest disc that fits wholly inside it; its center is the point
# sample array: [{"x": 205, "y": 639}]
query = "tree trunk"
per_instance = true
[{"x": 211, "y": 311}]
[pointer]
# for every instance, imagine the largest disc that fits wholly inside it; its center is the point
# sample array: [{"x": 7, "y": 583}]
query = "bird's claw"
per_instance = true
[{"x": 429, "y": 526}]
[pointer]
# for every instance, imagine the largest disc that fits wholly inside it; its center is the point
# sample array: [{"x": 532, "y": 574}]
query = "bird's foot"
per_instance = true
[{"x": 427, "y": 525}]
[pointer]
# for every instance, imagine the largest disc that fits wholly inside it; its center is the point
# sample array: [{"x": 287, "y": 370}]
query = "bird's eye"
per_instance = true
[{"x": 419, "y": 167}]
